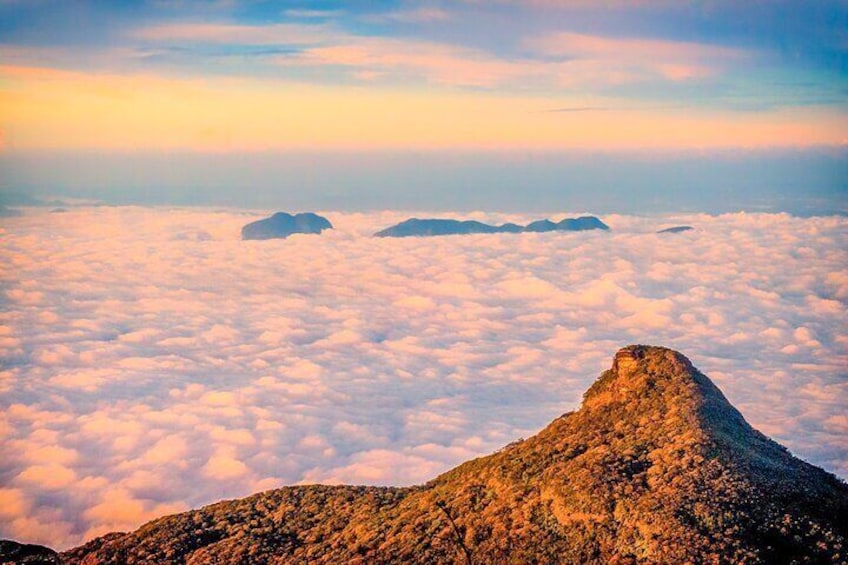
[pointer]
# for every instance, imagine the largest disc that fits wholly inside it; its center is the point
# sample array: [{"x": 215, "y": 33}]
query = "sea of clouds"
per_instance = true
[{"x": 153, "y": 362}]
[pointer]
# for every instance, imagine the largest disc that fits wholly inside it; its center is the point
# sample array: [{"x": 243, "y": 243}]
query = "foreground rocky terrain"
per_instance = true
[
  {"x": 655, "y": 467},
  {"x": 26, "y": 554}
]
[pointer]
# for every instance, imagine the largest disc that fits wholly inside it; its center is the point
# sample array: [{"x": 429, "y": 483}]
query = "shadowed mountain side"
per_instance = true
[
  {"x": 655, "y": 467},
  {"x": 282, "y": 225},
  {"x": 435, "y": 226},
  {"x": 15, "y": 553}
]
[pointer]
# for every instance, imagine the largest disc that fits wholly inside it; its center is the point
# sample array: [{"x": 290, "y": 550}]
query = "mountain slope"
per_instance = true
[
  {"x": 655, "y": 467},
  {"x": 25, "y": 554},
  {"x": 282, "y": 225},
  {"x": 438, "y": 226}
]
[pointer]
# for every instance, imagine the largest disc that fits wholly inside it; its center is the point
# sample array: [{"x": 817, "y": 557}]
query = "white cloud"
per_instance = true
[
  {"x": 147, "y": 372},
  {"x": 223, "y": 466},
  {"x": 48, "y": 477},
  {"x": 13, "y": 503}
]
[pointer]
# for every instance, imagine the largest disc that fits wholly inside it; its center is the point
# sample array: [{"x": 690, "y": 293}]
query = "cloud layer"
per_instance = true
[{"x": 154, "y": 362}]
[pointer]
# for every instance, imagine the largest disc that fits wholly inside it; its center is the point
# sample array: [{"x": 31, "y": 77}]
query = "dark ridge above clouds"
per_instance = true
[
  {"x": 655, "y": 467},
  {"x": 436, "y": 226},
  {"x": 676, "y": 229},
  {"x": 282, "y": 225}
]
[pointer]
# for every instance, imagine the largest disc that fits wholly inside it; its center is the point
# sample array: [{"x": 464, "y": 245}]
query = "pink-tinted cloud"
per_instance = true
[
  {"x": 583, "y": 59},
  {"x": 437, "y": 63},
  {"x": 424, "y": 14},
  {"x": 631, "y": 59}
]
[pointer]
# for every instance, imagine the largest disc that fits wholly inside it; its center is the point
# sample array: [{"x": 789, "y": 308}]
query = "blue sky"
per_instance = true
[
  {"x": 150, "y": 81},
  {"x": 777, "y": 53}
]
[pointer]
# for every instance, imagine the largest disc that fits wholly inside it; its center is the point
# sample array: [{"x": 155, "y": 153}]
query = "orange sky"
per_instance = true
[{"x": 45, "y": 108}]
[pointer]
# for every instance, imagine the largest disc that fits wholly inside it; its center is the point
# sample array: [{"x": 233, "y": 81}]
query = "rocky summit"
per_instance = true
[
  {"x": 655, "y": 467},
  {"x": 282, "y": 225}
]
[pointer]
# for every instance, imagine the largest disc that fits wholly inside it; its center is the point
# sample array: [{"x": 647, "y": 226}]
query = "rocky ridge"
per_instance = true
[{"x": 438, "y": 226}]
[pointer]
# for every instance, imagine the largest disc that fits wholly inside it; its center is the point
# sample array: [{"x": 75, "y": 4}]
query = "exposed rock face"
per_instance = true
[
  {"x": 656, "y": 467},
  {"x": 14, "y": 553},
  {"x": 282, "y": 225},
  {"x": 676, "y": 229},
  {"x": 429, "y": 227}
]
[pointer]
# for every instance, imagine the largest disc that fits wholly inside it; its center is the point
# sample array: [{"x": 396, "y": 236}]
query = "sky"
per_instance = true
[
  {"x": 129, "y": 85},
  {"x": 153, "y": 362},
  {"x": 265, "y": 75}
]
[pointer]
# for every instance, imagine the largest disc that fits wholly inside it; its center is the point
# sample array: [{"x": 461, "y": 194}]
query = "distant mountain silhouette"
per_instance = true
[
  {"x": 655, "y": 467},
  {"x": 569, "y": 224},
  {"x": 676, "y": 229},
  {"x": 282, "y": 225},
  {"x": 436, "y": 226}
]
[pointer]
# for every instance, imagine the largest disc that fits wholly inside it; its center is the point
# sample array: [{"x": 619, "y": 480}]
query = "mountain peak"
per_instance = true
[
  {"x": 656, "y": 467},
  {"x": 632, "y": 358},
  {"x": 662, "y": 387},
  {"x": 642, "y": 370},
  {"x": 283, "y": 224}
]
